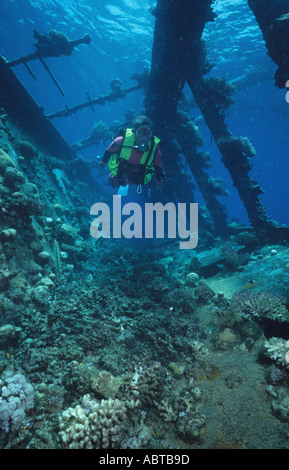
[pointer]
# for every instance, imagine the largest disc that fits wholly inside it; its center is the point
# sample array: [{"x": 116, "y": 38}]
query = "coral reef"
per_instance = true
[
  {"x": 26, "y": 149},
  {"x": 220, "y": 91},
  {"x": 185, "y": 348},
  {"x": 93, "y": 425},
  {"x": 232, "y": 258},
  {"x": 277, "y": 349},
  {"x": 260, "y": 305},
  {"x": 17, "y": 397},
  {"x": 5, "y": 162}
]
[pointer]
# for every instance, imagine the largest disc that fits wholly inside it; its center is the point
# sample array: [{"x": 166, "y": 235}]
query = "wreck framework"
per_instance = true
[{"x": 178, "y": 57}]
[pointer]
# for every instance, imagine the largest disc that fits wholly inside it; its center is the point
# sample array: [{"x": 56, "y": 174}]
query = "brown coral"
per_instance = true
[{"x": 258, "y": 305}]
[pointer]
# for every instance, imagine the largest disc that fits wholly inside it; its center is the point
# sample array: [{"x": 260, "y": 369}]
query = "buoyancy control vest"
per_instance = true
[{"x": 147, "y": 159}]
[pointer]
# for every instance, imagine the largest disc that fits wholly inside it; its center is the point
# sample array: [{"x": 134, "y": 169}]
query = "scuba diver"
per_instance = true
[{"x": 134, "y": 157}]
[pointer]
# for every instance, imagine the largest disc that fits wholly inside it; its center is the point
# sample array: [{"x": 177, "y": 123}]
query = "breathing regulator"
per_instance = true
[{"x": 119, "y": 130}]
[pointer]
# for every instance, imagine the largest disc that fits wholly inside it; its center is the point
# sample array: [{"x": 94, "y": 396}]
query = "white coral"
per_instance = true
[
  {"x": 16, "y": 397},
  {"x": 277, "y": 349},
  {"x": 93, "y": 425}
]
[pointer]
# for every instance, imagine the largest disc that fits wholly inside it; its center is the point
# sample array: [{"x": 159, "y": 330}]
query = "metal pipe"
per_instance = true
[{"x": 52, "y": 77}]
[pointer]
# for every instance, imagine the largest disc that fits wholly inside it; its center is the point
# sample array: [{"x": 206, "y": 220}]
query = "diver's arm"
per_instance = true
[
  {"x": 105, "y": 158},
  {"x": 115, "y": 147}
]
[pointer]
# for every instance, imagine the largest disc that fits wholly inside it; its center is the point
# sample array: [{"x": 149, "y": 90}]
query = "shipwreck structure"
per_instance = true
[
  {"x": 179, "y": 57},
  {"x": 273, "y": 19}
]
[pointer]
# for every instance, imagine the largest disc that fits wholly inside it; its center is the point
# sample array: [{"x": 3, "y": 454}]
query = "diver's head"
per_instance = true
[{"x": 143, "y": 129}]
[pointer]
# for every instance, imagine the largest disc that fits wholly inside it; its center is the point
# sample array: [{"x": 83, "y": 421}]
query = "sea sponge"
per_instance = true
[
  {"x": 43, "y": 257},
  {"x": 12, "y": 177},
  {"x": 26, "y": 149},
  {"x": 8, "y": 235}
]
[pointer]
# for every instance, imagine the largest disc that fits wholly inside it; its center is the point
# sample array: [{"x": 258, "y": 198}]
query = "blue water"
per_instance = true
[{"x": 122, "y": 38}]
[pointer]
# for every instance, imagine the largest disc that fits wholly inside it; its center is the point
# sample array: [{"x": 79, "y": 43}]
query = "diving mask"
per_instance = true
[{"x": 143, "y": 132}]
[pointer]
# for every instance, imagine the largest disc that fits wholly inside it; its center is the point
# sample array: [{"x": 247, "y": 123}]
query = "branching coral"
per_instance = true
[
  {"x": 166, "y": 411},
  {"x": 145, "y": 384},
  {"x": 199, "y": 352},
  {"x": 258, "y": 305},
  {"x": 93, "y": 425}
]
